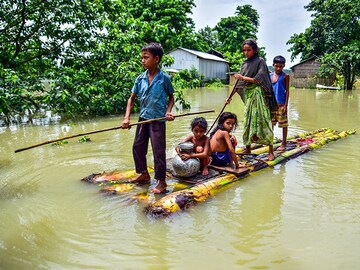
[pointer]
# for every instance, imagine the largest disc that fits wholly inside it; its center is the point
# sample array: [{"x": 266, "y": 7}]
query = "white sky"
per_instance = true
[{"x": 279, "y": 20}]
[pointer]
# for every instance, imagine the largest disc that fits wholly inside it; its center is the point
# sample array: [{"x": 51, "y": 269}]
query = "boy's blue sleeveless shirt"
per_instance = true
[{"x": 279, "y": 88}]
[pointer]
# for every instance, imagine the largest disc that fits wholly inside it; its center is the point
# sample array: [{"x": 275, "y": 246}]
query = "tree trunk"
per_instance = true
[{"x": 348, "y": 79}]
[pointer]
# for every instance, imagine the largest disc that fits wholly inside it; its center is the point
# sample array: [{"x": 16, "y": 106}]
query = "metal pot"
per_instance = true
[
  {"x": 185, "y": 168},
  {"x": 186, "y": 147}
]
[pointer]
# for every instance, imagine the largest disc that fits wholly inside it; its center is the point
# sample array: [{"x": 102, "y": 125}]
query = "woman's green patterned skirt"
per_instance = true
[{"x": 257, "y": 118}]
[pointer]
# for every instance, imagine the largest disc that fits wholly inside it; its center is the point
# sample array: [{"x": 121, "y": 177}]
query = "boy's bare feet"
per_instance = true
[
  {"x": 281, "y": 148},
  {"x": 205, "y": 171},
  {"x": 143, "y": 178},
  {"x": 160, "y": 187}
]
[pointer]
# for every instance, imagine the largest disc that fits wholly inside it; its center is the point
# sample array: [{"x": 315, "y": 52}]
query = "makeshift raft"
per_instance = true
[{"x": 185, "y": 193}]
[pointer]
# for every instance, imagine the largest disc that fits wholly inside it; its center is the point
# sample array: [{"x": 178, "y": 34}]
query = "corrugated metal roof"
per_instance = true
[{"x": 203, "y": 55}]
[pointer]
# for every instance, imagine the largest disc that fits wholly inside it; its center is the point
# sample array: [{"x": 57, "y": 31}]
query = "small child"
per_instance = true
[
  {"x": 222, "y": 143},
  {"x": 201, "y": 144},
  {"x": 280, "y": 84}
]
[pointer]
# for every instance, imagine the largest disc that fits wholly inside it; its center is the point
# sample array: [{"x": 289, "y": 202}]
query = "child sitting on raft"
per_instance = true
[
  {"x": 222, "y": 143},
  {"x": 201, "y": 144}
]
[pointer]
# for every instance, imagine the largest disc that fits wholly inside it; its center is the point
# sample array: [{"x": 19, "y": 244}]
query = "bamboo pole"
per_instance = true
[
  {"x": 257, "y": 149},
  {"x": 109, "y": 129},
  {"x": 186, "y": 198},
  {"x": 123, "y": 176},
  {"x": 231, "y": 94}
]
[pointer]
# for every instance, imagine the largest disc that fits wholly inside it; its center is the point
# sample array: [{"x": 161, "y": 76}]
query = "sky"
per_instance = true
[{"x": 279, "y": 20}]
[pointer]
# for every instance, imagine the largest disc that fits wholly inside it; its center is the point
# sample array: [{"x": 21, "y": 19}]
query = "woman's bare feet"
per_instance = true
[
  {"x": 270, "y": 156},
  {"x": 160, "y": 187},
  {"x": 143, "y": 178},
  {"x": 282, "y": 148},
  {"x": 246, "y": 151}
]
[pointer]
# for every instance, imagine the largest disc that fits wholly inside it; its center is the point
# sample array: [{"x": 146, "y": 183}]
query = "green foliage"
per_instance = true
[
  {"x": 180, "y": 98},
  {"x": 206, "y": 39},
  {"x": 18, "y": 93},
  {"x": 59, "y": 143},
  {"x": 228, "y": 35},
  {"x": 84, "y": 139},
  {"x": 235, "y": 58},
  {"x": 251, "y": 13},
  {"x": 89, "y": 51},
  {"x": 167, "y": 21},
  {"x": 187, "y": 79},
  {"x": 232, "y": 31},
  {"x": 334, "y": 36},
  {"x": 344, "y": 62},
  {"x": 216, "y": 83},
  {"x": 339, "y": 80}
]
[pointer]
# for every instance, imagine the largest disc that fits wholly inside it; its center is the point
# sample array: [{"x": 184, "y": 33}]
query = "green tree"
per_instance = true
[
  {"x": 334, "y": 36},
  {"x": 88, "y": 50},
  {"x": 35, "y": 36},
  {"x": 168, "y": 21},
  {"x": 233, "y": 30},
  {"x": 248, "y": 11},
  {"x": 206, "y": 39}
]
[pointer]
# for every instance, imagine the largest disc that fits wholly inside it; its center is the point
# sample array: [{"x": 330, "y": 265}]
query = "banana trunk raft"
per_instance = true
[{"x": 187, "y": 192}]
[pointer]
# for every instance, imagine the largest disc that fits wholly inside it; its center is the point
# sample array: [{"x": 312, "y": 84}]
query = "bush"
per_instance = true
[
  {"x": 215, "y": 83},
  {"x": 188, "y": 79}
]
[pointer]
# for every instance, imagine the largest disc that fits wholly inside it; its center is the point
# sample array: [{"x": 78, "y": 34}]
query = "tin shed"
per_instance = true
[
  {"x": 304, "y": 74},
  {"x": 211, "y": 66}
]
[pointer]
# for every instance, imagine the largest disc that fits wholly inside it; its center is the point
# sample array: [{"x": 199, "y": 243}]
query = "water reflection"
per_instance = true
[{"x": 40, "y": 118}]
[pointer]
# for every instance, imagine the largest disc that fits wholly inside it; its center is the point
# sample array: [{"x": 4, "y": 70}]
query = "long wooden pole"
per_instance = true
[
  {"x": 108, "y": 129},
  {"x": 231, "y": 94}
]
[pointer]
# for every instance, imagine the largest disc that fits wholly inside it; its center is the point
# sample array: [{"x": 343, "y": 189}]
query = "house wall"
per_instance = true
[
  {"x": 184, "y": 60},
  {"x": 209, "y": 68},
  {"x": 306, "y": 69},
  {"x": 213, "y": 69},
  {"x": 304, "y": 75}
]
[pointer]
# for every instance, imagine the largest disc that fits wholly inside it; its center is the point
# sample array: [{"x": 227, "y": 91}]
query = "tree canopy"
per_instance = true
[
  {"x": 333, "y": 36},
  {"x": 89, "y": 51},
  {"x": 232, "y": 31}
]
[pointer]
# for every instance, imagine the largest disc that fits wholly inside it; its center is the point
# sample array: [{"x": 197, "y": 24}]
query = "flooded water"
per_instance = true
[{"x": 302, "y": 214}]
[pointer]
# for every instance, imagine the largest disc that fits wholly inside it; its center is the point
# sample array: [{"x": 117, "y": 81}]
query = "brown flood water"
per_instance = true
[{"x": 302, "y": 214}]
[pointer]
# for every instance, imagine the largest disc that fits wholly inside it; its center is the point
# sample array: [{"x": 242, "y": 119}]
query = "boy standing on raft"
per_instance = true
[
  {"x": 155, "y": 92},
  {"x": 280, "y": 84}
]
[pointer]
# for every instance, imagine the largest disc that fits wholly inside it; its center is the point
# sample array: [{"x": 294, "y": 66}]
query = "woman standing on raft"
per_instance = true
[{"x": 254, "y": 87}]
